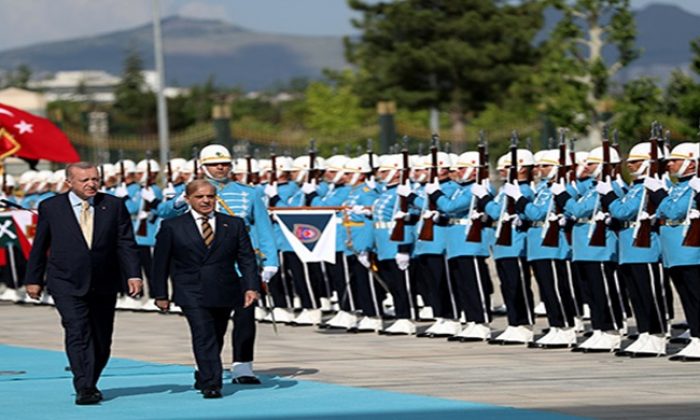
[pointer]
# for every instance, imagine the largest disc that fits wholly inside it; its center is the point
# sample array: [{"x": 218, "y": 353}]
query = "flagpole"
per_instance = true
[{"x": 162, "y": 105}]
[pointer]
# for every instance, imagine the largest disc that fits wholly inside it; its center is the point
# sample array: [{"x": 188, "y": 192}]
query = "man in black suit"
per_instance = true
[
  {"x": 203, "y": 251},
  {"x": 83, "y": 246}
]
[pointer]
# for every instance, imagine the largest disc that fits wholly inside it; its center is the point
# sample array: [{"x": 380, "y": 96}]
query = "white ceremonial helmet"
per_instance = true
[
  {"x": 580, "y": 158},
  {"x": 524, "y": 156},
  {"x": 357, "y": 166},
  {"x": 596, "y": 156},
  {"x": 211, "y": 154},
  {"x": 28, "y": 179},
  {"x": 108, "y": 170},
  {"x": 453, "y": 161},
  {"x": 375, "y": 159},
  {"x": 284, "y": 164},
  {"x": 240, "y": 166},
  {"x": 129, "y": 166},
  {"x": 143, "y": 166},
  {"x": 688, "y": 152},
  {"x": 538, "y": 156},
  {"x": 178, "y": 166},
  {"x": 265, "y": 165},
  {"x": 443, "y": 161},
  {"x": 391, "y": 164},
  {"x": 58, "y": 178},
  {"x": 551, "y": 157},
  {"x": 642, "y": 152},
  {"x": 469, "y": 160},
  {"x": 9, "y": 181},
  {"x": 301, "y": 164},
  {"x": 337, "y": 163}
]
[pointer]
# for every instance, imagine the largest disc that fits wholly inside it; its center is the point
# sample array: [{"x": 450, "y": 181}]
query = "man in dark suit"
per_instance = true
[
  {"x": 211, "y": 262},
  {"x": 83, "y": 246}
]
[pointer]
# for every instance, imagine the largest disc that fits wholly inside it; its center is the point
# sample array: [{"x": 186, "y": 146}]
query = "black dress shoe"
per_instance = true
[
  {"x": 98, "y": 393},
  {"x": 211, "y": 393},
  {"x": 246, "y": 380},
  {"x": 87, "y": 397},
  {"x": 454, "y": 338},
  {"x": 424, "y": 335}
]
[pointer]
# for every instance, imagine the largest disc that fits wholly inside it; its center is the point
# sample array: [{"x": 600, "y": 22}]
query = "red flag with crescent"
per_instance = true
[{"x": 29, "y": 136}]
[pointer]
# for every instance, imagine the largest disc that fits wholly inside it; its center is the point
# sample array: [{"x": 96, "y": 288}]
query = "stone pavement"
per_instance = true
[{"x": 595, "y": 385}]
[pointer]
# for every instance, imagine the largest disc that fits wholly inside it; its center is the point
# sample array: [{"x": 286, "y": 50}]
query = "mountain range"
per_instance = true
[{"x": 196, "y": 49}]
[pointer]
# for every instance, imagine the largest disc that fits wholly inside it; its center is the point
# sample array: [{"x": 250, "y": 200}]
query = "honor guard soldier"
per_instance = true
[
  {"x": 46, "y": 187},
  {"x": 394, "y": 256},
  {"x": 596, "y": 263},
  {"x": 432, "y": 267},
  {"x": 28, "y": 183},
  {"x": 678, "y": 210},
  {"x": 466, "y": 250},
  {"x": 510, "y": 255},
  {"x": 639, "y": 265},
  {"x": 548, "y": 249}
]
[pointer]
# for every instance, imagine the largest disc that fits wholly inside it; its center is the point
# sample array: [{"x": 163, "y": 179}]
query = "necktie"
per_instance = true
[
  {"x": 86, "y": 222},
  {"x": 207, "y": 232}
]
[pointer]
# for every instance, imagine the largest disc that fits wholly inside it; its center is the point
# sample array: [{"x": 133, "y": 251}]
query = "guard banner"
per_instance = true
[
  {"x": 17, "y": 229},
  {"x": 311, "y": 233}
]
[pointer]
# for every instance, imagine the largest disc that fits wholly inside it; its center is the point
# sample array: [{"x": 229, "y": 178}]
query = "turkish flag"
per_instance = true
[{"x": 29, "y": 136}]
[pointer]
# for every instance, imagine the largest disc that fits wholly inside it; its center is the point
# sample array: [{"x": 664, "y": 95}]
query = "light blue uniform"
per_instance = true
[
  {"x": 285, "y": 191},
  {"x": 439, "y": 243},
  {"x": 456, "y": 208},
  {"x": 673, "y": 209},
  {"x": 383, "y": 213},
  {"x": 152, "y": 220},
  {"x": 537, "y": 212},
  {"x": 30, "y": 201},
  {"x": 360, "y": 226},
  {"x": 517, "y": 248}
]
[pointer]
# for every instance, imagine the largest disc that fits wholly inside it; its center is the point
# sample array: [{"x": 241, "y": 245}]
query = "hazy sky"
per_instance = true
[{"x": 26, "y": 22}]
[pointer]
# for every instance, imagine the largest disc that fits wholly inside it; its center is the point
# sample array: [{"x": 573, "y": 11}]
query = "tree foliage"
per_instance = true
[{"x": 452, "y": 55}]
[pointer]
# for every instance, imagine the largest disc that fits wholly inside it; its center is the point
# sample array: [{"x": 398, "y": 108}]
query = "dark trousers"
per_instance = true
[
  {"x": 88, "y": 322},
  {"x": 369, "y": 294},
  {"x": 556, "y": 291},
  {"x": 607, "y": 307},
  {"x": 474, "y": 287},
  {"x": 146, "y": 261},
  {"x": 243, "y": 334},
  {"x": 280, "y": 287},
  {"x": 341, "y": 282},
  {"x": 687, "y": 281},
  {"x": 307, "y": 279},
  {"x": 12, "y": 273},
  {"x": 581, "y": 289},
  {"x": 514, "y": 274},
  {"x": 401, "y": 287},
  {"x": 648, "y": 295},
  {"x": 207, "y": 328},
  {"x": 433, "y": 271}
]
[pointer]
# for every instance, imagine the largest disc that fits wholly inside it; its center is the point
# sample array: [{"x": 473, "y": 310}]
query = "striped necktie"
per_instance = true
[{"x": 207, "y": 232}]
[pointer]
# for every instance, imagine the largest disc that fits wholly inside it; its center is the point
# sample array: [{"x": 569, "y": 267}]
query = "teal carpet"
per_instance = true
[{"x": 35, "y": 385}]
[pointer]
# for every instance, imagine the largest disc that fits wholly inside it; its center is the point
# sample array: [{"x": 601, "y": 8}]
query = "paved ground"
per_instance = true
[{"x": 596, "y": 385}]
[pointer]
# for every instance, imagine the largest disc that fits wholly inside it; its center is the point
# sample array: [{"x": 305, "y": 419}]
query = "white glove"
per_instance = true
[
  {"x": 271, "y": 190},
  {"x": 432, "y": 187},
  {"x": 515, "y": 219},
  {"x": 695, "y": 184},
  {"x": 169, "y": 192},
  {"x": 360, "y": 210},
  {"x": 694, "y": 214},
  {"x": 479, "y": 190},
  {"x": 268, "y": 273},
  {"x": 477, "y": 215},
  {"x": 309, "y": 187},
  {"x": 371, "y": 184},
  {"x": 603, "y": 187},
  {"x": 431, "y": 214},
  {"x": 404, "y": 190},
  {"x": 147, "y": 194},
  {"x": 646, "y": 216},
  {"x": 403, "y": 260},
  {"x": 602, "y": 216},
  {"x": 557, "y": 188},
  {"x": 180, "y": 200},
  {"x": 653, "y": 184},
  {"x": 121, "y": 191},
  {"x": 363, "y": 258},
  {"x": 512, "y": 191},
  {"x": 142, "y": 215},
  {"x": 400, "y": 215}
]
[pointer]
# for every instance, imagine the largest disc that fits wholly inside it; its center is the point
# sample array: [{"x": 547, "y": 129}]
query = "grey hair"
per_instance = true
[{"x": 78, "y": 165}]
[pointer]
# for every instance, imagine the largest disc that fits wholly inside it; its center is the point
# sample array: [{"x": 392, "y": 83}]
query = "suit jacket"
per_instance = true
[
  {"x": 216, "y": 276},
  {"x": 60, "y": 251}
]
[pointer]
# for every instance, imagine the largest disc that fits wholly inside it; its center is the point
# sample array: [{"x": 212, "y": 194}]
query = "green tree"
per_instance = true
[
  {"x": 134, "y": 108},
  {"x": 452, "y": 55},
  {"x": 574, "y": 77},
  {"x": 19, "y": 77},
  {"x": 334, "y": 109},
  {"x": 641, "y": 103}
]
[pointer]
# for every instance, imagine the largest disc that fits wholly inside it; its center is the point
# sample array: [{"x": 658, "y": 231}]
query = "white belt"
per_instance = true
[
  {"x": 384, "y": 225},
  {"x": 463, "y": 222}
]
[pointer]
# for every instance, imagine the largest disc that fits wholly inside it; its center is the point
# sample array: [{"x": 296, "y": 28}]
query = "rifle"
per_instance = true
[
  {"x": 476, "y": 225},
  {"x": 311, "y": 176},
  {"x": 692, "y": 234},
  {"x": 504, "y": 234},
  {"x": 551, "y": 230},
  {"x": 169, "y": 171},
  {"x": 273, "y": 166},
  {"x": 195, "y": 155},
  {"x": 642, "y": 232},
  {"x": 426, "y": 231},
  {"x": 122, "y": 171},
  {"x": 572, "y": 157},
  {"x": 597, "y": 237},
  {"x": 370, "y": 155},
  {"x": 146, "y": 207},
  {"x": 397, "y": 234}
]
